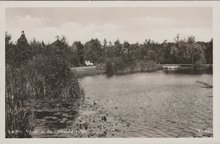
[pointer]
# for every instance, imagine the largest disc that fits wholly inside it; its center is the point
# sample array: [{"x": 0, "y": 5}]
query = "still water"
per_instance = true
[{"x": 156, "y": 104}]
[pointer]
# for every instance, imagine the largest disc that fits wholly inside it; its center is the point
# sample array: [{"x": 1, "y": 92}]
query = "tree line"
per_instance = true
[{"x": 181, "y": 51}]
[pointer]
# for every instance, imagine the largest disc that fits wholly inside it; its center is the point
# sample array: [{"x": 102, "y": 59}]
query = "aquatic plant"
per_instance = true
[
  {"x": 49, "y": 76},
  {"x": 42, "y": 77},
  {"x": 116, "y": 67},
  {"x": 18, "y": 119}
]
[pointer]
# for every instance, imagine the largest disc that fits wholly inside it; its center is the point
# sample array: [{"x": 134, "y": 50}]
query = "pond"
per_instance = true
[{"x": 156, "y": 104}]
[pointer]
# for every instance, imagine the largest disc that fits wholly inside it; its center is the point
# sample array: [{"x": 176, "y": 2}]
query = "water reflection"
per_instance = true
[{"x": 189, "y": 70}]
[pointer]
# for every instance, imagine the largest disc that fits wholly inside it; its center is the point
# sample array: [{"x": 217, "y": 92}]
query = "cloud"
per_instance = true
[
  {"x": 72, "y": 31},
  {"x": 25, "y": 22},
  {"x": 135, "y": 29},
  {"x": 201, "y": 34},
  {"x": 154, "y": 22}
]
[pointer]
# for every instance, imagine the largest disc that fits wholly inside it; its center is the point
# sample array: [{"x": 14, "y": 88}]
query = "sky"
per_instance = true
[{"x": 126, "y": 24}]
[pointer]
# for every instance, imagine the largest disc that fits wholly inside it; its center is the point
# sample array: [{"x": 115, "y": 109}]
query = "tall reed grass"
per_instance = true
[
  {"x": 42, "y": 77},
  {"x": 19, "y": 119},
  {"x": 122, "y": 67}
]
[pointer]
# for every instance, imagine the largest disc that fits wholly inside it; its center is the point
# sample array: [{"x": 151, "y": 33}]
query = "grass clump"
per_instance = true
[{"x": 19, "y": 120}]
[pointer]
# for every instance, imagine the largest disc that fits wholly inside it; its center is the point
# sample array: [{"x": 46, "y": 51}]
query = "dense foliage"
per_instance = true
[
  {"x": 36, "y": 71},
  {"x": 181, "y": 51},
  {"x": 119, "y": 56}
]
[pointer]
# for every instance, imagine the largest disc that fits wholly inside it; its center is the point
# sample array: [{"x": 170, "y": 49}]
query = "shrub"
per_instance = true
[
  {"x": 110, "y": 70},
  {"x": 114, "y": 65},
  {"x": 51, "y": 77},
  {"x": 150, "y": 66},
  {"x": 119, "y": 65},
  {"x": 209, "y": 69},
  {"x": 198, "y": 66}
]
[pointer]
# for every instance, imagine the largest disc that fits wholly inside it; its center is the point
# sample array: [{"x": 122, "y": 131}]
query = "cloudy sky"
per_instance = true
[{"x": 130, "y": 24}]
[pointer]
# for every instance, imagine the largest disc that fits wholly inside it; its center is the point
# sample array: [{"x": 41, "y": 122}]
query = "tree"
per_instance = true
[
  {"x": 59, "y": 48},
  {"x": 209, "y": 52},
  {"x": 7, "y": 39},
  {"x": 9, "y": 49},
  {"x": 179, "y": 52},
  {"x": 93, "y": 50},
  {"x": 80, "y": 51},
  {"x": 195, "y": 51},
  {"x": 37, "y": 48},
  {"x": 22, "y": 50},
  {"x": 117, "y": 48}
]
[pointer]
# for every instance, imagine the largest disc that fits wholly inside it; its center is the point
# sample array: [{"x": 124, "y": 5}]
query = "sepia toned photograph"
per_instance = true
[{"x": 109, "y": 72}]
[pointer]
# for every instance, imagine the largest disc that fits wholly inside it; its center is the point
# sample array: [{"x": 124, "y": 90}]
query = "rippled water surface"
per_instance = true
[{"x": 156, "y": 104}]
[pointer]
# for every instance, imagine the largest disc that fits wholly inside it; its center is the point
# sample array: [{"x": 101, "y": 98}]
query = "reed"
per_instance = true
[
  {"x": 52, "y": 77},
  {"x": 19, "y": 120},
  {"x": 43, "y": 77},
  {"x": 122, "y": 67}
]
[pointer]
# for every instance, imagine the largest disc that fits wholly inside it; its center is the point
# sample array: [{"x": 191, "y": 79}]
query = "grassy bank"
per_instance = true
[
  {"x": 112, "y": 68},
  {"x": 87, "y": 71},
  {"x": 191, "y": 69},
  {"x": 115, "y": 67}
]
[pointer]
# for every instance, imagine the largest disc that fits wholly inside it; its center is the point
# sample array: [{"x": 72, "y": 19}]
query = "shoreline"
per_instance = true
[
  {"x": 93, "y": 71},
  {"x": 91, "y": 120},
  {"x": 95, "y": 121},
  {"x": 87, "y": 71}
]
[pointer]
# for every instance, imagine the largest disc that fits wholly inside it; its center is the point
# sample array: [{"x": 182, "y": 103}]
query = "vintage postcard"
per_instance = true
[{"x": 90, "y": 72}]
